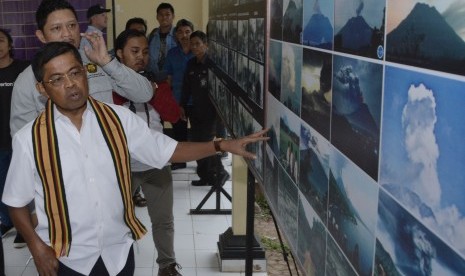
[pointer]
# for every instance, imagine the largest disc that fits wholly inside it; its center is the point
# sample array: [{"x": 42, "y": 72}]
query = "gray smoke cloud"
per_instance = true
[
  {"x": 316, "y": 7},
  {"x": 360, "y": 8}
]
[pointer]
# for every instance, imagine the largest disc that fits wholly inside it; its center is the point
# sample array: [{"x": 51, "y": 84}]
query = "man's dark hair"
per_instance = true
[
  {"x": 165, "y": 6},
  {"x": 201, "y": 35},
  {"x": 48, "y": 52},
  {"x": 10, "y": 41},
  {"x": 184, "y": 23},
  {"x": 46, "y": 7},
  {"x": 123, "y": 38},
  {"x": 136, "y": 20}
]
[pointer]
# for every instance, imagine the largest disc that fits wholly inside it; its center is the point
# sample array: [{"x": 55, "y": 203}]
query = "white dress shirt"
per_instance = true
[{"x": 94, "y": 201}]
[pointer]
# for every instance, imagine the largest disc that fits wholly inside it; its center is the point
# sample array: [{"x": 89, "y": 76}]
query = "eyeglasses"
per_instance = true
[{"x": 73, "y": 75}]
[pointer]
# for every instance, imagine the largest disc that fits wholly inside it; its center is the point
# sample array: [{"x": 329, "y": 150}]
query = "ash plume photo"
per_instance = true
[
  {"x": 422, "y": 158},
  {"x": 356, "y": 111},
  {"x": 318, "y": 23},
  {"x": 359, "y": 27}
]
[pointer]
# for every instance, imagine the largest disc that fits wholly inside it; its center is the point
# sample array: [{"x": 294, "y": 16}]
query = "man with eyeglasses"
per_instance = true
[
  {"x": 57, "y": 21},
  {"x": 74, "y": 161}
]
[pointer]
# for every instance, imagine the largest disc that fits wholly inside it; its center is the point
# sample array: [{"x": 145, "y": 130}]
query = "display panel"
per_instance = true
[{"x": 363, "y": 168}]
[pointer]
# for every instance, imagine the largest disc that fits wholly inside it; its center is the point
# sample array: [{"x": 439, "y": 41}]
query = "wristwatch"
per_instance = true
[{"x": 217, "y": 143}]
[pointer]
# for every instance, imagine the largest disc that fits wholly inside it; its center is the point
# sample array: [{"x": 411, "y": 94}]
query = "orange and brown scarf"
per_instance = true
[{"x": 47, "y": 159}]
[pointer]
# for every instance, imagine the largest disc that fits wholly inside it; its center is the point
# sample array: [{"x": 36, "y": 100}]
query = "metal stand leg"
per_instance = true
[
  {"x": 218, "y": 188},
  {"x": 250, "y": 223}
]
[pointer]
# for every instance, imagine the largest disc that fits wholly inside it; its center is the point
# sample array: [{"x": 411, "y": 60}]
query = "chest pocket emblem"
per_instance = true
[{"x": 91, "y": 68}]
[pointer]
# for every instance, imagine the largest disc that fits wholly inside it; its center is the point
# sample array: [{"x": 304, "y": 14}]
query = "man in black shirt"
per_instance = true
[
  {"x": 203, "y": 116},
  {"x": 9, "y": 70}
]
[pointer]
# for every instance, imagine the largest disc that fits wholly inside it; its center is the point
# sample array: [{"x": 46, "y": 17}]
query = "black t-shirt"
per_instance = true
[
  {"x": 195, "y": 85},
  {"x": 8, "y": 76}
]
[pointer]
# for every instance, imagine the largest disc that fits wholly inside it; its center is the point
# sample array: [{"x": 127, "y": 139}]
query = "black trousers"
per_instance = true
[
  {"x": 99, "y": 268},
  {"x": 207, "y": 168}
]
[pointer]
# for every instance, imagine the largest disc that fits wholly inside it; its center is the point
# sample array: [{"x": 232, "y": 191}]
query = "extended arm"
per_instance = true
[
  {"x": 44, "y": 256},
  {"x": 189, "y": 151}
]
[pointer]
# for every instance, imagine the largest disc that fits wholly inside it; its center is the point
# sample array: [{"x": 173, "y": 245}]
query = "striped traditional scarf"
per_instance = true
[{"x": 47, "y": 158}]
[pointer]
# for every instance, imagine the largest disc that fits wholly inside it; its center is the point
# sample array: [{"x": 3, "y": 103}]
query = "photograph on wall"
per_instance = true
[
  {"x": 252, "y": 35},
  {"x": 242, "y": 27},
  {"x": 225, "y": 31},
  {"x": 314, "y": 169},
  {"x": 225, "y": 104},
  {"x": 213, "y": 51},
  {"x": 218, "y": 31},
  {"x": 242, "y": 123},
  {"x": 233, "y": 38},
  {"x": 359, "y": 27},
  {"x": 292, "y": 21},
  {"x": 211, "y": 30},
  {"x": 274, "y": 68},
  {"x": 271, "y": 177},
  {"x": 427, "y": 34},
  {"x": 289, "y": 136},
  {"x": 423, "y": 153},
  {"x": 317, "y": 90},
  {"x": 260, "y": 39},
  {"x": 352, "y": 211},
  {"x": 291, "y": 67},
  {"x": 336, "y": 262},
  {"x": 288, "y": 200},
  {"x": 242, "y": 70},
  {"x": 232, "y": 64},
  {"x": 404, "y": 246},
  {"x": 255, "y": 82},
  {"x": 318, "y": 24},
  {"x": 273, "y": 110},
  {"x": 311, "y": 245},
  {"x": 356, "y": 111},
  {"x": 276, "y": 19},
  {"x": 257, "y": 149}
]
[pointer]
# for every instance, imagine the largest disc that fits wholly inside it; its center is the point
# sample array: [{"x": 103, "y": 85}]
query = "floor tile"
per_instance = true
[
  {"x": 183, "y": 241},
  {"x": 206, "y": 258},
  {"x": 186, "y": 258}
]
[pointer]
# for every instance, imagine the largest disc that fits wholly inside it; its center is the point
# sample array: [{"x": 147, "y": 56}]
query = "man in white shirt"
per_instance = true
[
  {"x": 57, "y": 21},
  {"x": 97, "y": 16},
  {"x": 73, "y": 160}
]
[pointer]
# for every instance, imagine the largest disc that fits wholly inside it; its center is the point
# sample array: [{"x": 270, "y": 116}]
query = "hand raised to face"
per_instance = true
[{"x": 98, "y": 52}]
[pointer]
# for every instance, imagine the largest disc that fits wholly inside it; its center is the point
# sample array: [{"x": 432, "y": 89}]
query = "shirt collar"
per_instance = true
[{"x": 59, "y": 115}]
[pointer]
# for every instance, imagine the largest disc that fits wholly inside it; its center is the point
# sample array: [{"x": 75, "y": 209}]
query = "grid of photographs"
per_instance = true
[
  {"x": 236, "y": 32},
  {"x": 367, "y": 97}
]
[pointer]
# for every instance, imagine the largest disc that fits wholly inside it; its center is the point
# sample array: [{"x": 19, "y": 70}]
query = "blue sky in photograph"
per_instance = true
[
  {"x": 422, "y": 146},
  {"x": 371, "y": 10},
  {"x": 326, "y": 8}
]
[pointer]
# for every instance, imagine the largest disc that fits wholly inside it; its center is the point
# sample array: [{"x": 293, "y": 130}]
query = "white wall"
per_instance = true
[{"x": 195, "y": 11}]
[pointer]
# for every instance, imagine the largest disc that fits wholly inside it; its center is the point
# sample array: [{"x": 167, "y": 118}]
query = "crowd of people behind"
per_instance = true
[{"x": 72, "y": 79}]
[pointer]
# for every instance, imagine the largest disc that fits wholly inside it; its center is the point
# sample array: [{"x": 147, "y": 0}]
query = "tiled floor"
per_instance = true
[{"x": 195, "y": 238}]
